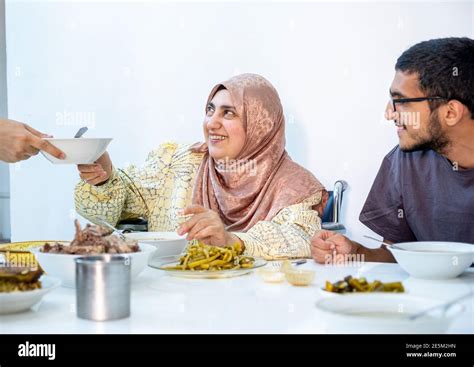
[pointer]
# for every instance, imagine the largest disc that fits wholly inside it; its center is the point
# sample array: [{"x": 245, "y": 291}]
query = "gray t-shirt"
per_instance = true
[{"x": 419, "y": 196}]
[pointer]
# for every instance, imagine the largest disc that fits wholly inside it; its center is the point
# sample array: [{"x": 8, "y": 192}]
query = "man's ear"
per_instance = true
[{"x": 453, "y": 112}]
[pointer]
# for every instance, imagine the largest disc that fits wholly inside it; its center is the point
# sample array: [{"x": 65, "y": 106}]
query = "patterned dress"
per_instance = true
[{"x": 163, "y": 186}]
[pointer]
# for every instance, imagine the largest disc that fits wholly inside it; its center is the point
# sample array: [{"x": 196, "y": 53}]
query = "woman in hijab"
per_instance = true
[{"x": 240, "y": 185}]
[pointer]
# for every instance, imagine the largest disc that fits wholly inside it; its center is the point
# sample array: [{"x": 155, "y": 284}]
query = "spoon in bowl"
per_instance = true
[
  {"x": 384, "y": 243},
  {"x": 81, "y": 132}
]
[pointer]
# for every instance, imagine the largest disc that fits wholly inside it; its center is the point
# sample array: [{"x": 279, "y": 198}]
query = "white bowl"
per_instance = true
[
  {"x": 166, "y": 243},
  {"x": 434, "y": 260},
  {"x": 383, "y": 314},
  {"x": 13, "y": 302},
  {"x": 78, "y": 151},
  {"x": 63, "y": 266}
]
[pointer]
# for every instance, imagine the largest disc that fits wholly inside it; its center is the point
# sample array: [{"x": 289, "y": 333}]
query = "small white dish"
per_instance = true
[
  {"x": 63, "y": 266},
  {"x": 166, "y": 243},
  {"x": 78, "y": 150},
  {"x": 271, "y": 275},
  {"x": 14, "y": 302},
  {"x": 433, "y": 259},
  {"x": 384, "y": 314},
  {"x": 300, "y": 277}
]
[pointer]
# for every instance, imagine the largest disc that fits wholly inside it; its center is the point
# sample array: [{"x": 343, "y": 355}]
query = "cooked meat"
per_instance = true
[{"x": 93, "y": 240}]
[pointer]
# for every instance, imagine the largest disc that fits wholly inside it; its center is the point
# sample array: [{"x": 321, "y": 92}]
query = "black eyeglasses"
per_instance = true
[{"x": 418, "y": 99}]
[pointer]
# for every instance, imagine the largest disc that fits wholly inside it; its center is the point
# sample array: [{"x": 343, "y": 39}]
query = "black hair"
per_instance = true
[{"x": 445, "y": 68}]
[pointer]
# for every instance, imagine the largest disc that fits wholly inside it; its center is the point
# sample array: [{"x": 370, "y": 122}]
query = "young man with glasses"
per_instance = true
[{"x": 424, "y": 190}]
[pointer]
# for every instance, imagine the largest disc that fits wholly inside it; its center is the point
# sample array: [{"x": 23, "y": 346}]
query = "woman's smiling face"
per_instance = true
[{"x": 223, "y": 127}]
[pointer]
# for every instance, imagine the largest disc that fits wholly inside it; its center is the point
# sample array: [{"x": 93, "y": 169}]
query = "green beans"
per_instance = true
[
  {"x": 351, "y": 285},
  {"x": 211, "y": 258}
]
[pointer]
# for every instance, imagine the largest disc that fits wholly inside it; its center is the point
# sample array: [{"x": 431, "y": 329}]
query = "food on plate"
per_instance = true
[
  {"x": 352, "y": 285},
  {"x": 93, "y": 240},
  {"x": 199, "y": 256},
  {"x": 18, "y": 279}
]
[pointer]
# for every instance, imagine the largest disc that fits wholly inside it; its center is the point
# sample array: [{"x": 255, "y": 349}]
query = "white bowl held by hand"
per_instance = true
[
  {"x": 432, "y": 259},
  {"x": 166, "y": 243},
  {"x": 63, "y": 266},
  {"x": 78, "y": 150}
]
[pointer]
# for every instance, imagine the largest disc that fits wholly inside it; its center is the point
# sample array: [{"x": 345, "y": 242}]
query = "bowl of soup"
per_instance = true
[
  {"x": 166, "y": 243},
  {"x": 434, "y": 260}
]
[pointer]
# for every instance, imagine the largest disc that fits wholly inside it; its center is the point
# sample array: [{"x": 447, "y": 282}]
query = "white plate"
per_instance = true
[
  {"x": 63, "y": 266},
  {"x": 13, "y": 302},
  {"x": 324, "y": 293},
  {"x": 161, "y": 263},
  {"x": 78, "y": 151},
  {"x": 434, "y": 260},
  {"x": 166, "y": 243},
  {"x": 384, "y": 314}
]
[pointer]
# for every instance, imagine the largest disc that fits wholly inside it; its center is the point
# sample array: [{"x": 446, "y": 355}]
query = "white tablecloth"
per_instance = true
[{"x": 246, "y": 304}]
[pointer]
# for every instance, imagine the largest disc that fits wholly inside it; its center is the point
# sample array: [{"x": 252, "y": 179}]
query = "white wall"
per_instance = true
[
  {"x": 144, "y": 71},
  {"x": 4, "y": 175}
]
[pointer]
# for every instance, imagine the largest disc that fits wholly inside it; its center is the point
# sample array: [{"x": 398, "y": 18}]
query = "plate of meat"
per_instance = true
[{"x": 57, "y": 258}]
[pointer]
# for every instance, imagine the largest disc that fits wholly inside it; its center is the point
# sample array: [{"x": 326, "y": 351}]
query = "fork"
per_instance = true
[
  {"x": 184, "y": 217},
  {"x": 106, "y": 224},
  {"x": 278, "y": 264}
]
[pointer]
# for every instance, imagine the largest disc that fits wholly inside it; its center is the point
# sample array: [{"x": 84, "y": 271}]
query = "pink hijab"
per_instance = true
[{"x": 263, "y": 179}]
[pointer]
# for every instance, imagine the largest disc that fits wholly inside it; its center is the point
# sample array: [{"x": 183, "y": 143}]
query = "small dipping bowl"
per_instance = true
[
  {"x": 300, "y": 277},
  {"x": 271, "y": 275}
]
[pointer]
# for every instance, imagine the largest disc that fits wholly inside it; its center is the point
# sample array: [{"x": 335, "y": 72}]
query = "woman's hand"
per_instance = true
[
  {"x": 97, "y": 173},
  {"x": 206, "y": 226}
]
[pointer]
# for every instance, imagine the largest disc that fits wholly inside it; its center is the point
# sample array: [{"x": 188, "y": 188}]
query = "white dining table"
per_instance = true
[{"x": 161, "y": 303}]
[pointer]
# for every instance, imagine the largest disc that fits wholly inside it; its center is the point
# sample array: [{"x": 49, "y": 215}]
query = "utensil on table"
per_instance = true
[
  {"x": 279, "y": 264},
  {"x": 444, "y": 306}
]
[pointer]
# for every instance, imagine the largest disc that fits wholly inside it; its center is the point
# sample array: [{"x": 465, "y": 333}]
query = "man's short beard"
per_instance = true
[{"x": 437, "y": 140}]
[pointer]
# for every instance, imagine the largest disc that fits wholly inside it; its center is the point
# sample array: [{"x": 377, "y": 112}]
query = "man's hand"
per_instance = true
[
  {"x": 330, "y": 247},
  {"x": 18, "y": 142}
]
